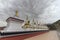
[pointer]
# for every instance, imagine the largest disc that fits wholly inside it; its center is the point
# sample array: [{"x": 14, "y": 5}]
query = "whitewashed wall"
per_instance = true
[{"x": 46, "y": 11}]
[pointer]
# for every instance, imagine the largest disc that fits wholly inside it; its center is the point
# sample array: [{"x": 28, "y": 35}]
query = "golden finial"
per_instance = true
[
  {"x": 16, "y": 13},
  {"x": 27, "y": 23}
]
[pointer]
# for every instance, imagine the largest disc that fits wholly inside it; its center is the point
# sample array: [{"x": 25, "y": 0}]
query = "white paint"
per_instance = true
[{"x": 3, "y": 23}]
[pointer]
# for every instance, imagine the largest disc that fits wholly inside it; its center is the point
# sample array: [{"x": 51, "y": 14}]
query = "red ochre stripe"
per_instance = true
[{"x": 22, "y": 37}]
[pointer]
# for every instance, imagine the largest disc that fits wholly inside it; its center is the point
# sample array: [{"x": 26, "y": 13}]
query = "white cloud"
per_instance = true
[{"x": 37, "y": 9}]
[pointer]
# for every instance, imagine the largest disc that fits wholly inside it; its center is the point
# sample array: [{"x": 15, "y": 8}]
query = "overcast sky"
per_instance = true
[{"x": 46, "y": 11}]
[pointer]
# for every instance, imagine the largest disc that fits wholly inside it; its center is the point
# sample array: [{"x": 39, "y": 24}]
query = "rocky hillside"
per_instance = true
[{"x": 55, "y": 25}]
